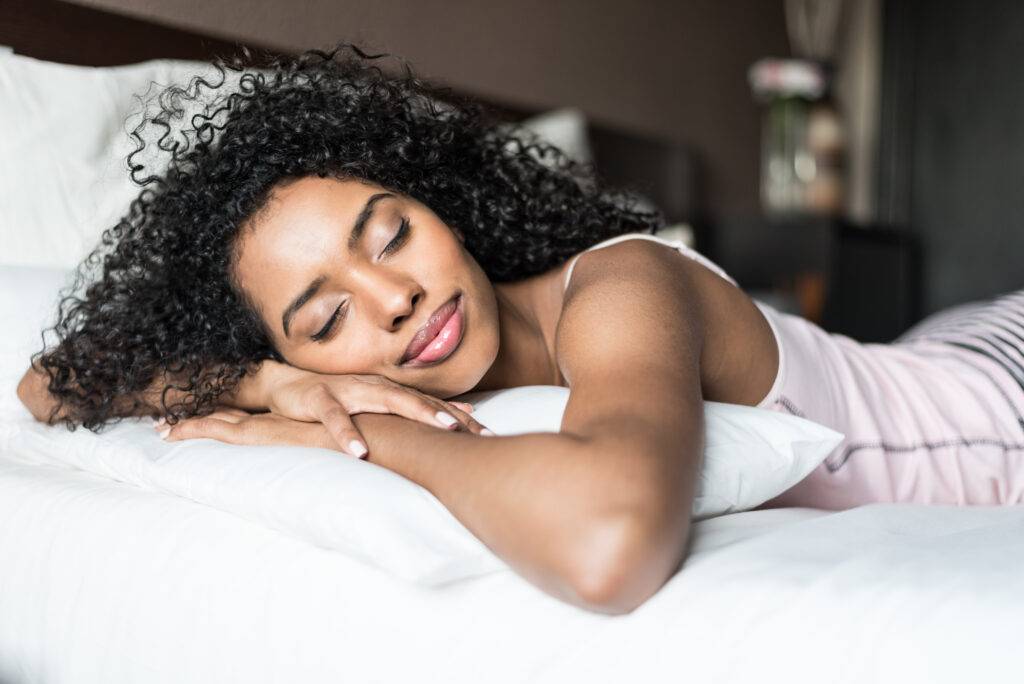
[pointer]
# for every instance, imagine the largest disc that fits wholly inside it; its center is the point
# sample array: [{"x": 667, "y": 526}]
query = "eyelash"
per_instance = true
[
  {"x": 327, "y": 326},
  {"x": 400, "y": 237}
]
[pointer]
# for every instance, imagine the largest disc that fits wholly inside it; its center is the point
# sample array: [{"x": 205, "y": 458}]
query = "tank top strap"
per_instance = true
[{"x": 676, "y": 244}]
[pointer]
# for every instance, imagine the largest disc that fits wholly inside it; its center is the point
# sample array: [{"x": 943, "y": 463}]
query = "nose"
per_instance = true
[
  {"x": 394, "y": 299},
  {"x": 399, "y": 307}
]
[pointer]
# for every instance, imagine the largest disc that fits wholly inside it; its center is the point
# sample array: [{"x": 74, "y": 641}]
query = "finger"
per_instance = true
[
  {"x": 339, "y": 424},
  {"x": 467, "y": 420},
  {"x": 200, "y": 427},
  {"x": 465, "y": 406},
  {"x": 415, "y": 405},
  {"x": 232, "y": 412},
  {"x": 230, "y": 415},
  {"x": 411, "y": 403}
]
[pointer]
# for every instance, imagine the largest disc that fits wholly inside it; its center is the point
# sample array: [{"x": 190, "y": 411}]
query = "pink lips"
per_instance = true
[{"x": 439, "y": 337}]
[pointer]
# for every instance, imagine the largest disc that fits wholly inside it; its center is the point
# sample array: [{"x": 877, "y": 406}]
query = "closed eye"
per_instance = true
[
  {"x": 400, "y": 237},
  {"x": 318, "y": 336}
]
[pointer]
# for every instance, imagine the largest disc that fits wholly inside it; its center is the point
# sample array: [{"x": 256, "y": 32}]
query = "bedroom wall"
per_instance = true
[
  {"x": 663, "y": 67},
  {"x": 952, "y": 143}
]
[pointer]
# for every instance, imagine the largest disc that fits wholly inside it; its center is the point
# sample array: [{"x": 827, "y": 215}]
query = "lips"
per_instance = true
[{"x": 428, "y": 333}]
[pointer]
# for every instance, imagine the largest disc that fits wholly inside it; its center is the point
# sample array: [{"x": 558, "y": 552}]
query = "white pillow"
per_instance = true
[
  {"x": 566, "y": 129},
  {"x": 678, "y": 231},
  {"x": 750, "y": 454},
  {"x": 358, "y": 507},
  {"x": 28, "y": 301},
  {"x": 63, "y": 154}
]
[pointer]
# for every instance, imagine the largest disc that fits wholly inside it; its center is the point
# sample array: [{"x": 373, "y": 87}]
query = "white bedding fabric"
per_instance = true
[
  {"x": 750, "y": 456},
  {"x": 62, "y": 159},
  {"x": 101, "y": 582},
  {"x": 382, "y": 518}
]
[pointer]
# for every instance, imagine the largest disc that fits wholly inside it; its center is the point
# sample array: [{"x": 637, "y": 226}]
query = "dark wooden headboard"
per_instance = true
[{"x": 664, "y": 171}]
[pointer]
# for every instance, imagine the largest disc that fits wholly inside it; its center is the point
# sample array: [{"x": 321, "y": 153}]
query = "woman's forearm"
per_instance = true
[
  {"x": 251, "y": 393},
  {"x": 536, "y": 499}
]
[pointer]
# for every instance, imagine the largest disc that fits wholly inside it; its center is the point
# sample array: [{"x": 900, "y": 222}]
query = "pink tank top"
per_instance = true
[{"x": 925, "y": 420}]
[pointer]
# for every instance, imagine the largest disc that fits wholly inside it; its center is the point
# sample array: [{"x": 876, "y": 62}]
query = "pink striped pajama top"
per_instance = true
[{"x": 936, "y": 416}]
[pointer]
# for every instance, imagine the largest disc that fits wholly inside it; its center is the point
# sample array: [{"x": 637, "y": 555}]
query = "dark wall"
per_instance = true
[
  {"x": 952, "y": 142},
  {"x": 673, "y": 69}
]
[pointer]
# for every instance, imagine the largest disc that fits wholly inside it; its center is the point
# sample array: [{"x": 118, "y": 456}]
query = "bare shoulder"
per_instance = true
[
  {"x": 630, "y": 334},
  {"x": 738, "y": 356}
]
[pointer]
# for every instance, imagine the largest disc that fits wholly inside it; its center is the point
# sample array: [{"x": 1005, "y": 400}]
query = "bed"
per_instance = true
[{"x": 106, "y": 581}]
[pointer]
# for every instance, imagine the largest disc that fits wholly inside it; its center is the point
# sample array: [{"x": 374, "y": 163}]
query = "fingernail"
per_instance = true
[
  {"x": 357, "y": 448},
  {"x": 164, "y": 433},
  {"x": 445, "y": 419},
  {"x": 159, "y": 423},
  {"x": 487, "y": 433}
]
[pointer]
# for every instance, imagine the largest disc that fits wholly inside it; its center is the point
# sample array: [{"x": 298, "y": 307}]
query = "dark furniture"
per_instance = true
[
  {"x": 874, "y": 283},
  {"x": 860, "y": 281}
]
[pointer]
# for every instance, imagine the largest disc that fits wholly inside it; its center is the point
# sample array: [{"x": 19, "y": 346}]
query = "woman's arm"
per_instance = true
[
  {"x": 289, "y": 392},
  {"x": 250, "y": 394},
  {"x": 598, "y": 514}
]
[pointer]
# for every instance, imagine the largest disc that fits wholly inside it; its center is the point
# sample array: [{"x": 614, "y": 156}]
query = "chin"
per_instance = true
[
  {"x": 462, "y": 371},
  {"x": 449, "y": 382}
]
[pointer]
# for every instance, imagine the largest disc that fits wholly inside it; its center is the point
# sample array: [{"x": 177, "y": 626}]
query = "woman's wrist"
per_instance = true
[{"x": 255, "y": 391}]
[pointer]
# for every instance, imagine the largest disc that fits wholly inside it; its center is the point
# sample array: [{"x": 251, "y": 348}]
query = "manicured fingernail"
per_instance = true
[
  {"x": 445, "y": 419},
  {"x": 487, "y": 433},
  {"x": 357, "y": 448},
  {"x": 159, "y": 423},
  {"x": 164, "y": 433}
]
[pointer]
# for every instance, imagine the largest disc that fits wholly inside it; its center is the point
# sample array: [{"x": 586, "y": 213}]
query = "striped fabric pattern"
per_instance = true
[{"x": 993, "y": 328}]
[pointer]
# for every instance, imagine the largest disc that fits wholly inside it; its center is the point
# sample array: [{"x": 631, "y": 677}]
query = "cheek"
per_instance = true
[{"x": 339, "y": 357}]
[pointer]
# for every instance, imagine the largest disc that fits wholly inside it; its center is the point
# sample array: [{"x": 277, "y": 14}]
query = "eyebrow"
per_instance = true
[{"x": 358, "y": 228}]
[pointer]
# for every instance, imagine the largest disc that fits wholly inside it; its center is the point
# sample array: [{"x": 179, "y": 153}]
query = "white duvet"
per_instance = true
[{"x": 102, "y": 582}]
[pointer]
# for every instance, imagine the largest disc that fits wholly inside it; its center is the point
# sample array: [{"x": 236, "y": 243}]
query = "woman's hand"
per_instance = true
[
  {"x": 236, "y": 426},
  {"x": 331, "y": 400}
]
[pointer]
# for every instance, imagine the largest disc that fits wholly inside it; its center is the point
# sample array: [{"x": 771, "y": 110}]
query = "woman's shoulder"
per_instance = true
[
  {"x": 673, "y": 241},
  {"x": 741, "y": 353}
]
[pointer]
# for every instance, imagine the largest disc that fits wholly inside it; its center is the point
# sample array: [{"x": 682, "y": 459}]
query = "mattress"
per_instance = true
[{"x": 103, "y": 582}]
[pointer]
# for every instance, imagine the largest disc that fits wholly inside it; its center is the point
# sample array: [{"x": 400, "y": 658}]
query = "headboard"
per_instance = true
[{"x": 664, "y": 171}]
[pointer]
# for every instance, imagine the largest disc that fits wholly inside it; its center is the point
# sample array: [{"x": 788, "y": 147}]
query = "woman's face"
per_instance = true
[{"x": 345, "y": 275}]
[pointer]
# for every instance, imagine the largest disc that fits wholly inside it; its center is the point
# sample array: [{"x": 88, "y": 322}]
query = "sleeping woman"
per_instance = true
[{"x": 341, "y": 252}]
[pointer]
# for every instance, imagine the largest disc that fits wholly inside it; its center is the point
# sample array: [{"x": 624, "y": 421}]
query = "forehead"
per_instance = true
[
  {"x": 306, "y": 203},
  {"x": 301, "y": 222}
]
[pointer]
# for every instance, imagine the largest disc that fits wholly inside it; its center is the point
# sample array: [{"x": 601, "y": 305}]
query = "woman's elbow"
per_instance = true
[
  {"x": 25, "y": 392},
  {"x": 33, "y": 392},
  {"x": 635, "y": 561}
]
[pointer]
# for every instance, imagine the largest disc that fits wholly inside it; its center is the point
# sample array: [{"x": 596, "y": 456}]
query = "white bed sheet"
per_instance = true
[{"x": 103, "y": 582}]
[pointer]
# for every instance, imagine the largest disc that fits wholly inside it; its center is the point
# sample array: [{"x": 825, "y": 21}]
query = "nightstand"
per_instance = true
[{"x": 860, "y": 281}]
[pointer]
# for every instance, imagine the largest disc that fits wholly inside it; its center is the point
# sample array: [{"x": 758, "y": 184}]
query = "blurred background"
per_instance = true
[{"x": 853, "y": 161}]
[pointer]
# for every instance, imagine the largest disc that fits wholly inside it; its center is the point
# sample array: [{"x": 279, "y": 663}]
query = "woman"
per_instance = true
[{"x": 338, "y": 253}]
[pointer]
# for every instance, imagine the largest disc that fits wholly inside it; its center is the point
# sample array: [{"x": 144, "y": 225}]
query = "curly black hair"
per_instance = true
[{"x": 136, "y": 318}]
